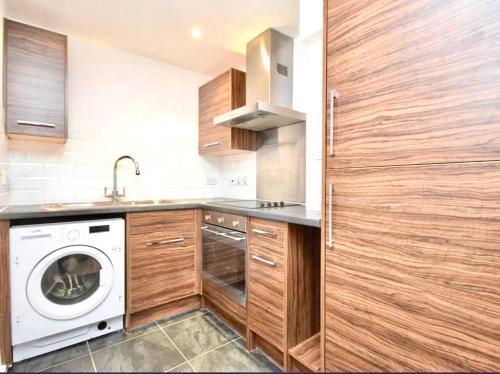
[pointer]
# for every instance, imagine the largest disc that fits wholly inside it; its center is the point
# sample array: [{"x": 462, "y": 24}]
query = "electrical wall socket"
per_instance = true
[{"x": 211, "y": 181}]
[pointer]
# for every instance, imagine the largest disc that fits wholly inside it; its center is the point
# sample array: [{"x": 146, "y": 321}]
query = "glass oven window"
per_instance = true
[{"x": 71, "y": 279}]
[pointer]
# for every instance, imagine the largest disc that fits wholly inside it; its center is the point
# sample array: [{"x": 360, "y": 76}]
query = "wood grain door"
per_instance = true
[
  {"x": 413, "y": 278},
  {"x": 35, "y": 82},
  {"x": 419, "y": 81},
  {"x": 161, "y": 258}
]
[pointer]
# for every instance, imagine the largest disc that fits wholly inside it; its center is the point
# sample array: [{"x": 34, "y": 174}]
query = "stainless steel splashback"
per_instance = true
[{"x": 281, "y": 163}]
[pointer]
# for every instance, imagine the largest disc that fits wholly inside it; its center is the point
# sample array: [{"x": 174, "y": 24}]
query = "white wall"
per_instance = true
[{"x": 119, "y": 103}]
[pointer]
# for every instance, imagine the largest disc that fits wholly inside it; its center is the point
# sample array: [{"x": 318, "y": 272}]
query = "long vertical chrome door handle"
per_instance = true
[
  {"x": 330, "y": 215},
  {"x": 333, "y": 95}
]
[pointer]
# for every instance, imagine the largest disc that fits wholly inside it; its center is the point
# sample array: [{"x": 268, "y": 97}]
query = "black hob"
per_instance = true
[{"x": 254, "y": 204}]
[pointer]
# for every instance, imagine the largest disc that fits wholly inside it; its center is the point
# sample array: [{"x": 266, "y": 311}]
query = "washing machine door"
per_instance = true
[{"x": 70, "y": 282}]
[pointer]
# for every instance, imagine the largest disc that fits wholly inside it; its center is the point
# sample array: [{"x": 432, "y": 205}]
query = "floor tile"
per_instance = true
[
  {"x": 78, "y": 365},
  {"x": 233, "y": 357},
  {"x": 180, "y": 317},
  {"x": 51, "y": 359},
  {"x": 120, "y": 336},
  {"x": 149, "y": 352},
  {"x": 199, "y": 335},
  {"x": 184, "y": 368}
]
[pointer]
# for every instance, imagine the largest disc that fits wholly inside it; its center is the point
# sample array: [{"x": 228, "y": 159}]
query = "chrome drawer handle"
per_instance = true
[
  {"x": 176, "y": 240},
  {"x": 37, "y": 124},
  {"x": 264, "y": 233},
  {"x": 264, "y": 261},
  {"x": 333, "y": 95},
  {"x": 211, "y": 144}
]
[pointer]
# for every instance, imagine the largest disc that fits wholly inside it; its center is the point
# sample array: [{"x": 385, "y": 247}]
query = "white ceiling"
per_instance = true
[{"x": 161, "y": 29}]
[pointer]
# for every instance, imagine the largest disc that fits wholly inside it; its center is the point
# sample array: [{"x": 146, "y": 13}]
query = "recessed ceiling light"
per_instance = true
[{"x": 196, "y": 33}]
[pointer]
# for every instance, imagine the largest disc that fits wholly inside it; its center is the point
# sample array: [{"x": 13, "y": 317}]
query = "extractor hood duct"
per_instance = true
[{"x": 269, "y": 86}]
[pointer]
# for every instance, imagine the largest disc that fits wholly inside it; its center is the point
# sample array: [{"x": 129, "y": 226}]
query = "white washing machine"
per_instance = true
[{"x": 67, "y": 283}]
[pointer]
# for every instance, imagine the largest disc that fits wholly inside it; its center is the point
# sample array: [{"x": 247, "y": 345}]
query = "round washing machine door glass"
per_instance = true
[{"x": 70, "y": 282}]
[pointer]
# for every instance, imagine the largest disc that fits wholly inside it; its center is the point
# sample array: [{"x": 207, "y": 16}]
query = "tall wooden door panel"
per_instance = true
[
  {"x": 419, "y": 81},
  {"x": 413, "y": 278}
]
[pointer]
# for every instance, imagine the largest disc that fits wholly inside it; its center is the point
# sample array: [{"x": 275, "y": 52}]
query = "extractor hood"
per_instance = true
[{"x": 269, "y": 86}]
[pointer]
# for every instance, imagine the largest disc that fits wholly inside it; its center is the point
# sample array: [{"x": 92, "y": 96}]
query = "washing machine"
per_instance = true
[{"x": 67, "y": 283}]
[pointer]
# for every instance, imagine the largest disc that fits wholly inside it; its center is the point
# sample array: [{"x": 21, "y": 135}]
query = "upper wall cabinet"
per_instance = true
[
  {"x": 418, "y": 82},
  {"x": 35, "y": 63},
  {"x": 220, "y": 95}
]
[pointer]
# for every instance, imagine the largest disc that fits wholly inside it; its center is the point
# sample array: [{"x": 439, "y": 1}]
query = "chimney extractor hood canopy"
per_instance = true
[
  {"x": 269, "y": 86},
  {"x": 259, "y": 116}
]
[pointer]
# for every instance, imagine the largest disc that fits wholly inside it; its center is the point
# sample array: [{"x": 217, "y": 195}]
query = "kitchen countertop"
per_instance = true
[{"x": 298, "y": 214}]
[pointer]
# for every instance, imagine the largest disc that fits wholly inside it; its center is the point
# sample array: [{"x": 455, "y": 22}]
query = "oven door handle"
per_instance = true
[
  {"x": 205, "y": 228},
  {"x": 218, "y": 233}
]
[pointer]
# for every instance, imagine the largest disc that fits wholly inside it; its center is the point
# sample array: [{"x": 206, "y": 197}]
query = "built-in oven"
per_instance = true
[{"x": 224, "y": 245}]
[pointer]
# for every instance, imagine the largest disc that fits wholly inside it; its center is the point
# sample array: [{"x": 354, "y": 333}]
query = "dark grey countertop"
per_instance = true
[{"x": 293, "y": 214}]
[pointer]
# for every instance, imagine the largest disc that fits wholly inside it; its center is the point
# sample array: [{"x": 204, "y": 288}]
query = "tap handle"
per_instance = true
[
  {"x": 123, "y": 191},
  {"x": 105, "y": 191}
]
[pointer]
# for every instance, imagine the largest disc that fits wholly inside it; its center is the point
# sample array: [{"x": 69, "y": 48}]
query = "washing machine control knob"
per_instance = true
[{"x": 73, "y": 235}]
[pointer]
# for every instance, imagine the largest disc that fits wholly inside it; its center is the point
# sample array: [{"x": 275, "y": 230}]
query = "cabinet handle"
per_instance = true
[
  {"x": 330, "y": 215},
  {"x": 176, "y": 240},
  {"x": 264, "y": 233},
  {"x": 36, "y": 124},
  {"x": 211, "y": 144},
  {"x": 264, "y": 261},
  {"x": 333, "y": 95},
  {"x": 220, "y": 219}
]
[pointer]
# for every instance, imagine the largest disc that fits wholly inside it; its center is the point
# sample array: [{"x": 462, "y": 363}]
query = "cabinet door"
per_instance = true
[
  {"x": 35, "y": 73},
  {"x": 419, "y": 81},
  {"x": 162, "y": 258},
  {"x": 223, "y": 94},
  {"x": 266, "y": 280},
  {"x": 413, "y": 280}
]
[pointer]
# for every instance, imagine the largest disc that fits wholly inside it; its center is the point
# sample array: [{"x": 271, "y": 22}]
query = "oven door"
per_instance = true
[{"x": 224, "y": 258}]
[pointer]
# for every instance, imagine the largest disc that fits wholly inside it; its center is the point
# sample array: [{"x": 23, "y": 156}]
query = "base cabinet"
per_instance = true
[
  {"x": 162, "y": 258},
  {"x": 412, "y": 279},
  {"x": 283, "y": 287}
]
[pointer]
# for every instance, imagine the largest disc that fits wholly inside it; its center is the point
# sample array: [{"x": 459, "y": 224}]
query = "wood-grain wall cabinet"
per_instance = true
[
  {"x": 35, "y": 64},
  {"x": 283, "y": 287},
  {"x": 412, "y": 278},
  {"x": 417, "y": 81},
  {"x": 161, "y": 258},
  {"x": 223, "y": 94}
]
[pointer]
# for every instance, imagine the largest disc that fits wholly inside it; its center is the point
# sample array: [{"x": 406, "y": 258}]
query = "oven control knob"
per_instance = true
[
  {"x": 282, "y": 203},
  {"x": 275, "y": 203},
  {"x": 73, "y": 235},
  {"x": 262, "y": 204},
  {"x": 269, "y": 204}
]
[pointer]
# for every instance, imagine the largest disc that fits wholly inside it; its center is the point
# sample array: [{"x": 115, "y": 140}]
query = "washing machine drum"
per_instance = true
[{"x": 70, "y": 282}]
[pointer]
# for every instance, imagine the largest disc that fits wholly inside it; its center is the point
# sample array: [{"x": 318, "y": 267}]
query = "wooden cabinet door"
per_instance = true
[
  {"x": 419, "y": 81},
  {"x": 266, "y": 280},
  {"x": 223, "y": 94},
  {"x": 162, "y": 258},
  {"x": 35, "y": 83},
  {"x": 413, "y": 278}
]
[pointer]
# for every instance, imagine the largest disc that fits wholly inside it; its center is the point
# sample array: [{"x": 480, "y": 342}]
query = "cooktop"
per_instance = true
[{"x": 254, "y": 204}]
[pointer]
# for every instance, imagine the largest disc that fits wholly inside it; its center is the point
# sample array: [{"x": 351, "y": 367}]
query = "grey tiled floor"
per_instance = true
[{"x": 189, "y": 342}]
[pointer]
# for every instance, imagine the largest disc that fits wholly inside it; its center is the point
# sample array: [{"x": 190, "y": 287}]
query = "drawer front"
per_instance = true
[
  {"x": 162, "y": 269},
  {"x": 266, "y": 273},
  {"x": 169, "y": 223}
]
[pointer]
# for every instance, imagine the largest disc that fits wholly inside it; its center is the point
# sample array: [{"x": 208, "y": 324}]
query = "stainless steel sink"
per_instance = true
[
  {"x": 104, "y": 204},
  {"x": 145, "y": 202}
]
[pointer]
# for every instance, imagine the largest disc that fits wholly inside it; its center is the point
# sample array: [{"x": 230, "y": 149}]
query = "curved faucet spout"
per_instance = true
[{"x": 115, "y": 194}]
